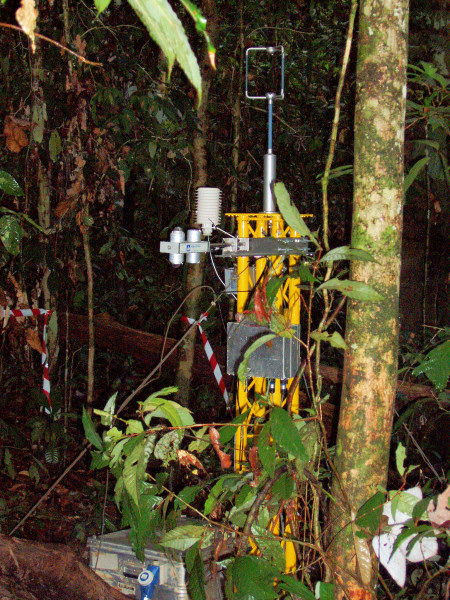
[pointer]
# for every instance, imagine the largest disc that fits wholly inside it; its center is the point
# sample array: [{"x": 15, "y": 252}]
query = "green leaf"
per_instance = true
[
  {"x": 254, "y": 578},
  {"x": 133, "y": 427},
  {"x": 270, "y": 547},
  {"x": 436, "y": 366},
  {"x": 324, "y": 591},
  {"x": 90, "y": 432},
  {"x": 183, "y": 537},
  {"x": 9, "y": 185},
  {"x": 335, "y": 339},
  {"x": 228, "y": 432},
  {"x": 369, "y": 514},
  {"x": 187, "y": 495},
  {"x": 242, "y": 369},
  {"x": 54, "y": 145},
  {"x": 11, "y": 233},
  {"x": 286, "y": 434},
  {"x": 196, "y": 570},
  {"x": 414, "y": 172},
  {"x": 38, "y": 119},
  {"x": 290, "y": 213},
  {"x": 400, "y": 455},
  {"x": 201, "y": 441},
  {"x": 289, "y": 584},
  {"x": 101, "y": 5},
  {"x": 130, "y": 474},
  {"x": 167, "y": 446},
  {"x": 303, "y": 272},
  {"x": 273, "y": 287},
  {"x": 167, "y": 31},
  {"x": 109, "y": 409},
  {"x": 358, "y": 290},
  {"x": 347, "y": 253},
  {"x": 266, "y": 450},
  {"x": 284, "y": 487}
]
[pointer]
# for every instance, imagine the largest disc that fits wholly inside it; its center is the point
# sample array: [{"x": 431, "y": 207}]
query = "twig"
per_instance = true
[
  {"x": 337, "y": 110},
  {"x": 55, "y": 43}
]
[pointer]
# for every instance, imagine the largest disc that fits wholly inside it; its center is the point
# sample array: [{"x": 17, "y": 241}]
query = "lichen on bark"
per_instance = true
[{"x": 370, "y": 366}]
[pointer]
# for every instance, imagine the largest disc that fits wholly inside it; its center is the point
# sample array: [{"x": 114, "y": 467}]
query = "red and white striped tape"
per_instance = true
[
  {"x": 210, "y": 356},
  {"x": 35, "y": 312}
]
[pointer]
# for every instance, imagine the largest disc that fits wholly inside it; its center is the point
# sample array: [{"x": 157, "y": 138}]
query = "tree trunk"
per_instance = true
[
  {"x": 370, "y": 368},
  {"x": 194, "y": 277}
]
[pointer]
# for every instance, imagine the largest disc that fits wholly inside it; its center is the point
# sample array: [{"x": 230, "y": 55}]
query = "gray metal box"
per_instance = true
[
  {"x": 279, "y": 359},
  {"x": 112, "y": 558}
]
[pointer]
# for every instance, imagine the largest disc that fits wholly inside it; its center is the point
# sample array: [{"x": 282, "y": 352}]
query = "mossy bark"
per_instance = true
[{"x": 370, "y": 368}]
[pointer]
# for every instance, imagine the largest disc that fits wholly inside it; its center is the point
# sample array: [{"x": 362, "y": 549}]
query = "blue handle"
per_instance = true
[{"x": 148, "y": 580}]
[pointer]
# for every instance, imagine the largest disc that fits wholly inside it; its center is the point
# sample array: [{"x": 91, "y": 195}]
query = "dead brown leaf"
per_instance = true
[
  {"x": 225, "y": 459},
  {"x": 187, "y": 459},
  {"x": 26, "y": 16},
  {"x": 13, "y": 130},
  {"x": 33, "y": 340},
  {"x": 440, "y": 514}
]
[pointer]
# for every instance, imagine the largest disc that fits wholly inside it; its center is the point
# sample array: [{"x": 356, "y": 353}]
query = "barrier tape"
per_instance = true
[
  {"x": 35, "y": 312},
  {"x": 210, "y": 355}
]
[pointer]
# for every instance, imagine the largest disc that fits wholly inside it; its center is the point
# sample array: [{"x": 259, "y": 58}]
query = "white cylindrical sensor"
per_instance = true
[
  {"x": 177, "y": 236},
  {"x": 270, "y": 174},
  {"x": 193, "y": 235},
  {"x": 208, "y": 208}
]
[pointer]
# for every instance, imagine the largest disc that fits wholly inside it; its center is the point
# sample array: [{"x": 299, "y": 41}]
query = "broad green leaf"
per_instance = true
[
  {"x": 11, "y": 233},
  {"x": 177, "y": 415},
  {"x": 38, "y": 119},
  {"x": 335, "y": 339},
  {"x": 152, "y": 148},
  {"x": 324, "y": 591},
  {"x": 404, "y": 502},
  {"x": 131, "y": 479},
  {"x": 369, "y": 514},
  {"x": 90, "y": 432},
  {"x": 228, "y": 432},
  {"x": 289, "y": 584},
  {"x": 167, "y": 446},
  {"x": 347, "y": 253},
  {"x": 286, "y": 434},
  {"x": 54, "y": 145},
  {"x": 304, "y": 273},
  {"x": 100, "y": 460},
  {"x": 254, "y": 578},
  {"x": 101, "y": 5},
  {"x": 272, "y": 288},
  {"x": 270, "y": 547},
  {"x": 266, "y": 450},
  {"x": 290, "y": 213},
  {"x": 196, "y": 571},
  {"x": 358, "y": 290},
  {"x": 133, "y": 427},
  {"x": 400, "y": 456},
  {"x": 167, "y": 31},
  {"x": 414, "y": 172},
  {"x": 183, "y": 537},
  {"x": 109, "y": 409},
  {"x": 201, "y": 441},
  {"x": 284, "y": 487},
  {"x": 436, "y": 366},
  {"x": 242, "y": 369},
  {"x": 187, "y": 495},
  {"x": 9, "y": 185}
]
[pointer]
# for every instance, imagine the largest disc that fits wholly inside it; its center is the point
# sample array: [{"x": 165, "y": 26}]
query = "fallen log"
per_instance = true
[
  {"x": 146, "y": 347},
  {"x": 33, "y": 571}
]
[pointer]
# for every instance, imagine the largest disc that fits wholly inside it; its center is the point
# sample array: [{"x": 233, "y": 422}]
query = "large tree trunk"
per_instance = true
[
  {"x": 370, "y": 368},
  {"x": 34, "y": 571},
  {"x": 194, "y": 277}
]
